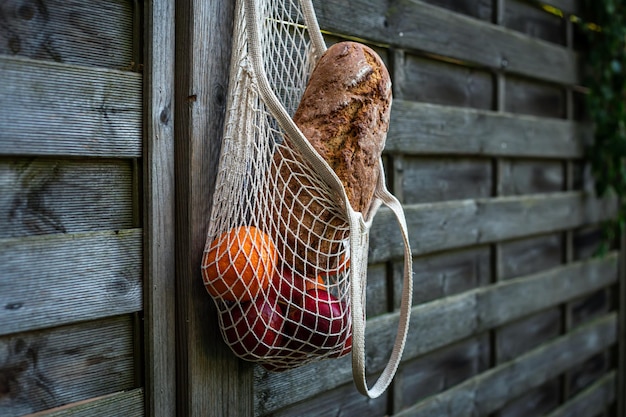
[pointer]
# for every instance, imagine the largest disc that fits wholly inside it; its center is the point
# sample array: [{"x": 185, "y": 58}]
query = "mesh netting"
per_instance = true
[
  {"x": 277, "y": 255},
  {"x": 285, "y": 259}
]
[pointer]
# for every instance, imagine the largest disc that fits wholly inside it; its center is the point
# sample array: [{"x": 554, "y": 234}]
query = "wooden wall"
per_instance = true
[
  {"x": 71, "y": 237},
  {"x": 512, "y": 314}
]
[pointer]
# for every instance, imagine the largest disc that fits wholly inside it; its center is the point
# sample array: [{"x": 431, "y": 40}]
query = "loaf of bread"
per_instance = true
[{"x": 344, "y": 113}]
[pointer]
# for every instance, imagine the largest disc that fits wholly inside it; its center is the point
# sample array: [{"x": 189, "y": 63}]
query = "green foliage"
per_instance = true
[{"x": 605, "y": 68}]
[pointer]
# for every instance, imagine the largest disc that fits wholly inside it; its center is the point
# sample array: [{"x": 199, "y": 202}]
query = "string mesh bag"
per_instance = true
[{"x": 285, "y": 259}]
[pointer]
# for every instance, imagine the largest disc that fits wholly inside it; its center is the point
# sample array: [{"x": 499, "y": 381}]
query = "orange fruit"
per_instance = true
[{"x": 239, "y": 263}]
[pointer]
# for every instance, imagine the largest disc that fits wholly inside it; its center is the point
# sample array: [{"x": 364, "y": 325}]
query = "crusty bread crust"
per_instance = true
[{"x": 344, "y": 113}]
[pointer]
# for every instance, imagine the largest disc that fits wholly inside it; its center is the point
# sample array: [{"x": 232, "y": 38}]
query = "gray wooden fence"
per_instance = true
[{"x": 103, "y": 216}]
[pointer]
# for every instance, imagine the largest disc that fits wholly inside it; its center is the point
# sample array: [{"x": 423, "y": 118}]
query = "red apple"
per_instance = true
[
  {"x": 290, "y": 286},
  {"x": 345, "y": 349},
  {"x": 322, "y": 323},
  {"x": 254, "y": 329}
]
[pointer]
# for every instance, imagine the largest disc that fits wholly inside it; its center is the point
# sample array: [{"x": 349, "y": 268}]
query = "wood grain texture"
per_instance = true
[
  {"x": 492, "y": 389},
  {"x": 587, "y": 372},
  {"x": 535, "y": 402},
  {"x": 440, "y": 370},
  {"x": 480, "y": 9},
  {"x": 416, "y": 25},
  {"x": 529, "y": 255},
  {"x": 62, "y": 365},
  {"x": 419, "y": 128},
  {"x": 437, "y": 82},
  {"x": 454, "y": 224},
  {"x": 377, "y": 290},
  {"x": 592, "y": 401},
  {"x": 48, "y": 108},
  {"x": 531, "y": 20},
  {"x": 209, "y": 376},
  {"x": 535, "y": 99},
  {"x": 519, "y": 337},
  {"x": 131, "y": 402},
  {"x": 426, "y": 180},
  {"x": 531, "y": 177},
  {"x": 159, "y": 211},
  {"x": 97, "y": 33},
  {"x": 443, "y": 274},
  {"x": 47, "y": 196},
  {"x": 589, "y": 306},
  {"x": 342, "y": 401},
  {"x": 437, "y": 324},
  {"x": 59, "y": 279}
]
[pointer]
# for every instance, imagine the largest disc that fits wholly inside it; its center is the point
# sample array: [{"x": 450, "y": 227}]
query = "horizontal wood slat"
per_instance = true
[
  {"x": 440, "y": 323},
  {"x": 592, "y": 401},
  {"x": 453, "y": 224},
  {"x": 59, "y": 279},
  {"x": 489, "y": 391},
  {"x": 98, "y": 32},
  {"x": 45, "y": 196},
  {"x": 421, "y": 128},
  {"x": 63, "y": 365},
  {"x": 419, "y": 26},
  {"x": 130, "y": 403},
  {"x": 48, "y": 108}
]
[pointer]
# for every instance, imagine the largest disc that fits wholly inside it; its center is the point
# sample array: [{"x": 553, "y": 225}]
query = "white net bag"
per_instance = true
[{"x": 285, "y": 259}]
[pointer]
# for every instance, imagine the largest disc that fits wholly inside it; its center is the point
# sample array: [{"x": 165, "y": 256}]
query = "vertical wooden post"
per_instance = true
[
  {"x": 211, "y": 380},
  {"x": 159, "y": 247}
]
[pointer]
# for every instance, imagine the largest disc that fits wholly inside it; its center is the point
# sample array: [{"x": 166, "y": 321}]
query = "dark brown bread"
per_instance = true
[{"x": 344, "y": 113}]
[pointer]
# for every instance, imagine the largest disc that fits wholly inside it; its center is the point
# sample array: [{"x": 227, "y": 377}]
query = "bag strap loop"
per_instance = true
[{"x": 358, "y": 280}]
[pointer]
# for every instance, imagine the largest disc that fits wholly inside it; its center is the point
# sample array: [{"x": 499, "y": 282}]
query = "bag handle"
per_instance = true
[{"x": 358, "y": 247}]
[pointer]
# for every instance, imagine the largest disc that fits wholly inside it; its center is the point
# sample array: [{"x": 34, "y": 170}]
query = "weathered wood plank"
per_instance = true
[
  {"x": 419, "y": 128},
  {"x": 131, "y": 403},
  {"x": 97, "y": 33},
  {"x": 48, "y": 108},
  {"x": 443, "y": 83},
  {"x": 209, "y": 377},
  {"x": 440, "y": 370},
  {"x": 586, "y": 373},
  {"x": 438, "y": 226},
  {"x": 427, "y": 180},
  {"x": 489, "y": 391},
  {"x": 159, "y": 211},
  {"x": 416, "y": 25},
  {"x": 444, "y": 274},
  {"x": 536, "y": 402},
  {"x": 587, "y": 241},
  {"x": 480, "y": 9},
  {"x": 531, "y": 177},
  {"x": 535, "y": 99},
  {"x": 438, "y": 324},
  {"x": 45, "y": 196},
  {"x": 62, "y": 365},
  {"x": 589, "y": 307},
  {"x": 342, "y": 401},
  {"x": 531, "y": 20},
  {"x": 530, "y": 255},
  {"x": 516, "y": 338},
  {"x": 377, "y": 290},
  {"x": 592, "y": 401},
  {"x": 59, "y": 279}
]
